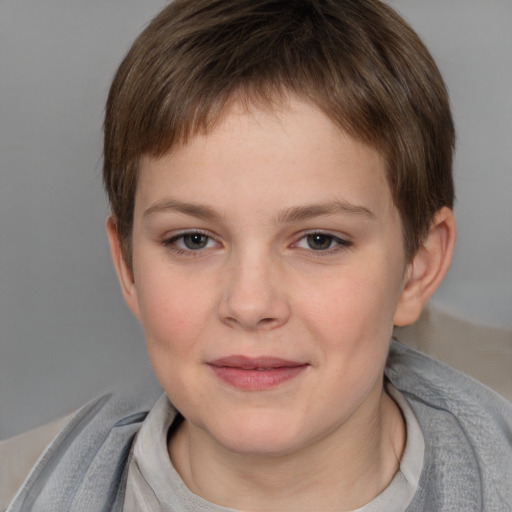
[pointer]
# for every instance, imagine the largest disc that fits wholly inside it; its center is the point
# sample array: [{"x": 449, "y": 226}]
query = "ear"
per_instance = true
[
  {"x": 124, "y": 273},
  {"x": 427, "y": 268}
]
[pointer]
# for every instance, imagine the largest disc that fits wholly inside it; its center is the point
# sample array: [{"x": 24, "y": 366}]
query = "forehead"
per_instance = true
[{"x": 290, "y": 153}]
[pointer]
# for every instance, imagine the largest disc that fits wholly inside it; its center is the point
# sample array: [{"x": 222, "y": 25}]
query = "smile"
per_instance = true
[{"x": 256, "y": 374}]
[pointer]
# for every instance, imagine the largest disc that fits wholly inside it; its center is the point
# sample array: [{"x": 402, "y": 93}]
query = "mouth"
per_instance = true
[{"x": 256, "y": 374}]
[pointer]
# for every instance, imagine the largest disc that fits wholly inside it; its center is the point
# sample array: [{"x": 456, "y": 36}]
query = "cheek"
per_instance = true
[
  {"x": 172, "y": 314},
  {"x": 357, "y": 304},
  {"x": 174, "y": 320},
  {"x": 352, "y": 322}
]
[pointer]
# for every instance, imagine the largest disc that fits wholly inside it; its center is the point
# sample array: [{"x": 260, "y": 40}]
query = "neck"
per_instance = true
[{"x": 344, "y": 470}]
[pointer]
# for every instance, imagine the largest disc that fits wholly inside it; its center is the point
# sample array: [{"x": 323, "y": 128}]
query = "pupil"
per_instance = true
[
  {"x": 319, "y": 241},
  {"x": 195, "y": 241}
]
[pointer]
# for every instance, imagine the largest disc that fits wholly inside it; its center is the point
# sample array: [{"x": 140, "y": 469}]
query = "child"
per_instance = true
[{"x": 279, "y": 174}]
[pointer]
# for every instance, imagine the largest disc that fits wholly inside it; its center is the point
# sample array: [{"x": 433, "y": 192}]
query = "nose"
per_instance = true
[{"x": 253, "y": 295}]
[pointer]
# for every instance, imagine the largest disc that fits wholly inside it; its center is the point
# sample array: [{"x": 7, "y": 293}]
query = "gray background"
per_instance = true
[{"x": 65, "y": 333}]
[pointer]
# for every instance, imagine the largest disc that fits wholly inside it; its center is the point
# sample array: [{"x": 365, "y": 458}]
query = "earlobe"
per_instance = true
[
  {"x": 124, "y": 273},
  {"x": 428, "y": 267}
]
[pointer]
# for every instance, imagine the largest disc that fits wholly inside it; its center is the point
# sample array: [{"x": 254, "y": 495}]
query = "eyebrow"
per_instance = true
[
  {"x": 292, "y": 214},
  {"x": 297, "y": 213},
  {"x": 196, "y": 210}
]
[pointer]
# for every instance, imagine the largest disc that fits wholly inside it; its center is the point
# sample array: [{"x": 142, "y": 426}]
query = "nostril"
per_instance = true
[
  {"x": 262, "y": 323},
  {"x": 268, "y": 323}
]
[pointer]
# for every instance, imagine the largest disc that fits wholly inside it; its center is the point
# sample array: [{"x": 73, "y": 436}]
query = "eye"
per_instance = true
[
  {"x": 322, "y": 242},
  {"x": 192, "y": 241},
  {"x": 319, "y": 241}
]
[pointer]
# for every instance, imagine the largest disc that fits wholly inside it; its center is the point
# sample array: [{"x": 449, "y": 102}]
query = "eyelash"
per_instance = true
[
  {"x": 340, "y": 243},
  {"x": 170, "y": 243}
]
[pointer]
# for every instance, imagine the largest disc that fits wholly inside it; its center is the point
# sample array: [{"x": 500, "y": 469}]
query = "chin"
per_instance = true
[{"x": 260, "y": 438}]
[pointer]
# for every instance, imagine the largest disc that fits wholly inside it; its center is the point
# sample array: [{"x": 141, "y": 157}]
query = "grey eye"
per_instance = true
[
  {"x": 319, "y": 241},
  {"x": 195, "y": 241}
]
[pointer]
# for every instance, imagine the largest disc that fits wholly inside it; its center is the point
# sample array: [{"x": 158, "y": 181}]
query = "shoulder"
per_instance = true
[
  {"x": 19, "y": 454},
  {"x": 435, "y": 384},
  {"x": 82, "y": 457},
  {"x": 483, "y": 352},
  {"x": 467, "y": 429}
]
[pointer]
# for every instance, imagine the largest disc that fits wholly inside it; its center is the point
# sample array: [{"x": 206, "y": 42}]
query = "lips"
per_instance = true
[{"x": 256, "y": 374}]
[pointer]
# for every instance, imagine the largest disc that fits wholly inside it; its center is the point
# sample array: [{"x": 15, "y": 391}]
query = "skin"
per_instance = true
[{"x": 248, "y": 281}]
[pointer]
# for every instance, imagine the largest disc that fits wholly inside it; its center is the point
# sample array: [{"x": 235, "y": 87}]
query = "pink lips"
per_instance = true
[{"x": 256, "y": 374}]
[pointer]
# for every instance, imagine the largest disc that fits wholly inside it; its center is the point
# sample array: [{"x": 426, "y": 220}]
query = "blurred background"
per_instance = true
[{"x": 65, "y": 333}]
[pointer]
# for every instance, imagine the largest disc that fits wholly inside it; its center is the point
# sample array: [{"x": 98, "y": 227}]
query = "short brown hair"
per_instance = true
[{"x": 356, "y": 60}]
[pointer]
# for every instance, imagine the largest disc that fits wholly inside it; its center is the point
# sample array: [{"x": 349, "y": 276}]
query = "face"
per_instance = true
[{"x": 267, "y": 268}]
